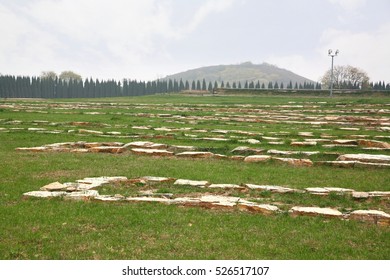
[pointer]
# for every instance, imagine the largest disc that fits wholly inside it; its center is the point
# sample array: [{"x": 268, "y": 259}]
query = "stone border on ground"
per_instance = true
[
  {"x": 84, "y": 190},
  {"x": 162, "y": 150}
]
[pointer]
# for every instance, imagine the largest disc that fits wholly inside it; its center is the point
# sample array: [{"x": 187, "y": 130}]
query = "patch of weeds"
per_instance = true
[
  {"x": 123, "y": 189},
  {"x": 266, "y": 194},
  {"x": 116, "y": 118}
]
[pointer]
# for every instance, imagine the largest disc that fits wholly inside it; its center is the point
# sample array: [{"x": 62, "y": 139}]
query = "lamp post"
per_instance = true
[{"x": 332, "y": 54}]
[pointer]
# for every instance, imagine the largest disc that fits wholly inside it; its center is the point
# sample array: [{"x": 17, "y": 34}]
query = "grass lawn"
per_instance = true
[{"x": 62, "y": 229}]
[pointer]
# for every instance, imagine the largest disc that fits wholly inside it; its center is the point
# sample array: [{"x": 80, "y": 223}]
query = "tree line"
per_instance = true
[
  {"x": 38, "y": 87},
  {"x": 52, "y": 86}
]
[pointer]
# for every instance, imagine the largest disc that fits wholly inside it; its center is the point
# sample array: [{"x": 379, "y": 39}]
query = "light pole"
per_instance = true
[{"x": 332, "y": 54}]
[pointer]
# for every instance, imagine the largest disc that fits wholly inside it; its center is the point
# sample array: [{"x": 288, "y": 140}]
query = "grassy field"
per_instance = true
[{"x": 61, "y": 229}]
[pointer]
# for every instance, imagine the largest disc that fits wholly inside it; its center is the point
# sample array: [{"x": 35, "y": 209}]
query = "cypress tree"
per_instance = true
[
  {"x": 175, "y": 86},
  {"x": 198, "y": 85},
  {"x": 170, "y": 86},
  {"x": 204, "y": 86},
  {"x": 181, "y": 85}
]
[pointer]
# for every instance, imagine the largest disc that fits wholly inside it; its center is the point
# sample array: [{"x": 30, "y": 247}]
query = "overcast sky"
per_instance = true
[{"x": 149, "y": 39}]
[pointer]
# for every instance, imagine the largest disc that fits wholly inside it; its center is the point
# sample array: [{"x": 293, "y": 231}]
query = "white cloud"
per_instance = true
[
  {"x": 309, "y": 67},
  {"x": 349, "y": 5},
  {"x": 22, "y": 44},
  {"x": 138, "y": 39},
  {"x": 94, "y": 37},
  {"x": 209, "y": 7},
  {"x": 367, "y": 50},
  {"x": 351, "y": 9},
  {"x": 83, "y": 34}
]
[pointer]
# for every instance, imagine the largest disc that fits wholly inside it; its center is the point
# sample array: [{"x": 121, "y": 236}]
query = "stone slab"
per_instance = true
[
  {"x": 250, "y": 141},
  {"x": 296, "y": 162},
  {"x": 108, "y": 198},
  {"x": 44, "y": 194},
  {"x": 379, "y": 194},
  {"x": 195, "y": 154},
  {"x": 345, "y": 142},
  {"x": 373, "y": 216},
  {"x": 373, "y": 144},
  {"x": 108, "y": 149},
  {"x": 315, "y": 211},
  {"x": 319, "y": 191},
  {"x": 365, "y": 158},
  {"x": 303, "y": 144},
  {"x": 82, "y": 195},
  {"x": 185, "y": 182},
  {"x": 32, "y": 149},
  {"x": 152, "y": 179},
  {"x": 149, "y": 199},
  {"x": 56, "y": 186},
  {"x": 276, "y": 189},
  {"x": 225, "y": 186},
  {"x": 340, "y": 190},
  {"x": 151, "y": 152},
  {"x": 245, "y": 150},
  {"x": 257, "y": 158},
  {"x": 265, "y": 209},
  {"x": 360, "y": 195}
]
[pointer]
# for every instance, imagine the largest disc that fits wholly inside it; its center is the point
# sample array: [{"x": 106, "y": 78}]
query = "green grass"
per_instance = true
[
  {"x": 77, "y": 230},
  {"x": 61, "y": 229}
]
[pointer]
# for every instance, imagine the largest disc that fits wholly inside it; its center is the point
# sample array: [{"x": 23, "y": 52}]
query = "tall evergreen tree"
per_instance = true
[
  {"x": 198, "y": 85},
  {"x": 210, "y": 87},
  {"x": 181, "y": 85},
  {"x": 204, "y": 85},
  {"x": 170, "y": 86}
]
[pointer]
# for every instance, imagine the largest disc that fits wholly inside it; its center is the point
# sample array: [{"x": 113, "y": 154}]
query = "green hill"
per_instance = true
[{"x": 243, "y": 72}]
